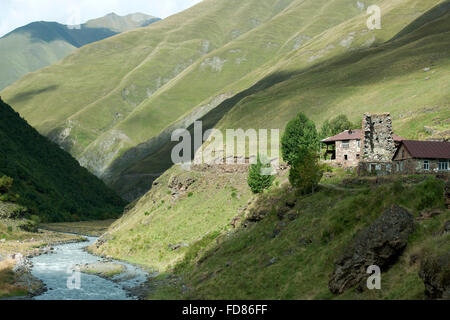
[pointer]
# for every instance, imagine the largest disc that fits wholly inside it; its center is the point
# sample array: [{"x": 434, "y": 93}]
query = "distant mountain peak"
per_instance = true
[{"x": 41, "y": 43}]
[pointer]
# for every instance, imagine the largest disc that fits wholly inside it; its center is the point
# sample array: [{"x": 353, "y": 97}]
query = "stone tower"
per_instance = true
[{"x": 378, "y": 146}]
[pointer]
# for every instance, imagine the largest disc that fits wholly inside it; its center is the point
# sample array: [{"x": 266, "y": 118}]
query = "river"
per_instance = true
[{"x": 56, "y": 268}]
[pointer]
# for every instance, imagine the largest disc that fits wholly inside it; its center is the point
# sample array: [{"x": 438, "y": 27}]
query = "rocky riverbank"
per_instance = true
[{"x": 15, "y": 258}]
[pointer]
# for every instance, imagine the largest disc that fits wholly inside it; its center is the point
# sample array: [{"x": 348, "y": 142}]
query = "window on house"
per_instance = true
[
  {"x": 426, "y": 165},
  {"x": 346, "y": 157},
  {"x": 359, "y": 143},
  {"x": 357, "y": 156},
  {"x": 403, "y": 154},
  {"x": 443, "y": 165},
  {"x": 346, "y": 144}
]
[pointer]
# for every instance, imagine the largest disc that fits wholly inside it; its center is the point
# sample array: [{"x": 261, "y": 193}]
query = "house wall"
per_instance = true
[
  {"x": 405, "y": 164},
  {"x": 353, "y": 153},
  {"x": 412, "y": 166}
]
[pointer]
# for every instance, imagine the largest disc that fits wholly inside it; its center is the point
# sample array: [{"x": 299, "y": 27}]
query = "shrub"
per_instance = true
[
  {"x": 29, "y": 226},
  {"x": 300, "y": 133},
  {"x": 5, "y": 184},
  {"x": 190, "y": 194},
  {"x": 306, "y": 172},
  {"x": 430, "y": 194},
  {"x": 36, "y": 219},
  {"x": 259, "y": 177}
]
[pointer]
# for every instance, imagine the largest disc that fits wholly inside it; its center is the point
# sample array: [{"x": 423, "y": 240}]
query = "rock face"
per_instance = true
[
  {"x": 179, "y": 184},
  {"x": 435, "y": 273},
  {"x": 380, "y": 244}
]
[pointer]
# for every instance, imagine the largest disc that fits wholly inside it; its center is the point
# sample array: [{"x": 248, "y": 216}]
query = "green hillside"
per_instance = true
[
  {"x": 392, "y": 76},
  {"x": 40, "y": 44},
  {"x": 263, "y": 60},
  {"x": 192, "y": 228},
  {"x": 47, "y": 180}
]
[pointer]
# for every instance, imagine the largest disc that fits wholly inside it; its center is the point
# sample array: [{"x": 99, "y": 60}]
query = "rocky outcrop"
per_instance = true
[
  {"x": 380, "y": 244},
  {"x": 24, "y": 278},
  {"x": 180, "y": 184},
  {"x": 435, "y": 273}
]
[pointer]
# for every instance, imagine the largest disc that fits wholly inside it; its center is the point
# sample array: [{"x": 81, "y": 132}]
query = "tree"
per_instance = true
[
  {"x": 306, "y": 171},
  {"x": 300, "y": 134},
  {"x": 336, "y": 125},
  {"x": 260, "y": 176}
]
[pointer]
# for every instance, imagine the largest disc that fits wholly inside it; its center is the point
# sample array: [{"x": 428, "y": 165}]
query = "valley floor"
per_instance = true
[{"x": 17, "y": 246}]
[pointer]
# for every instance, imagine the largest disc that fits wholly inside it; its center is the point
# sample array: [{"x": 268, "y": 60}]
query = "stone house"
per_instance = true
[
  {"x": 422, "y": 157},
  {"x": 344, "y": 149}
]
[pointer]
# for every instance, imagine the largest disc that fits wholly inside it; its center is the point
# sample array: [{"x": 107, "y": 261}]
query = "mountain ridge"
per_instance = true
[
  {"x": 42, "y": 43},
  {"x": 186, "y": 66},
  {"x": 48, "y": 181}
]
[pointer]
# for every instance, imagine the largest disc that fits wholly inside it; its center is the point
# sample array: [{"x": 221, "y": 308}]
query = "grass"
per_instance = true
[
  {"x": 131, "y": 88},
  {"x": 143, "y": 234},
  {"x": 40, "y": 44},
  {"x": 329, "y": 220},
  {"x": 270, "y": 259},
  {"x": 87, "y": 228},
  {"x": 7, "y": 280},
  {"x": 26, "y": 243},
  {"x": 105, "y": 270}
]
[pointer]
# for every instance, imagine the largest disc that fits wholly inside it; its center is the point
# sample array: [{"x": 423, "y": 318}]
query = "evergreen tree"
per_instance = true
[{"x": 259, "y": 176}]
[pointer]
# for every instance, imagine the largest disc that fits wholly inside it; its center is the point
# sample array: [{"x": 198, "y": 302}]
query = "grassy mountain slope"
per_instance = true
[
  {"x": 287, "y": 259},
  {"x": 265, "y": 60},
  {"x": 39, "y": 44},
  {"x": 391, "y": 76},
  {"x": 188, "y": 235},
  {"x": 170, "y": 216},
  {"x": 48, "y": 181}
]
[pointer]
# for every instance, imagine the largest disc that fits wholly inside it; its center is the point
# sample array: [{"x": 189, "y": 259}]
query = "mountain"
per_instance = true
[
  {"x": 233, "y": 64},
  {"x": 40, "y": 44},
  {"x": 47, "y": 180},
  {"x": 210, "y": 238}
]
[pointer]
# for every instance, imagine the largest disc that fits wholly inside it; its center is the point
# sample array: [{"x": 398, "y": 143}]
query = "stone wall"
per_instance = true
[
  {"x": 378, "y": 146},
  {"x": 353, "y": 153},
  {"x": 378, "y": 138},
  {"x": 412, "y": 166}
]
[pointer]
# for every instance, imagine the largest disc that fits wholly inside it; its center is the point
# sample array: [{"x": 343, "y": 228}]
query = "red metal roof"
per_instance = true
[
  {"x": 353, "y": 135},
  {"x": 427, "y": 149}
]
